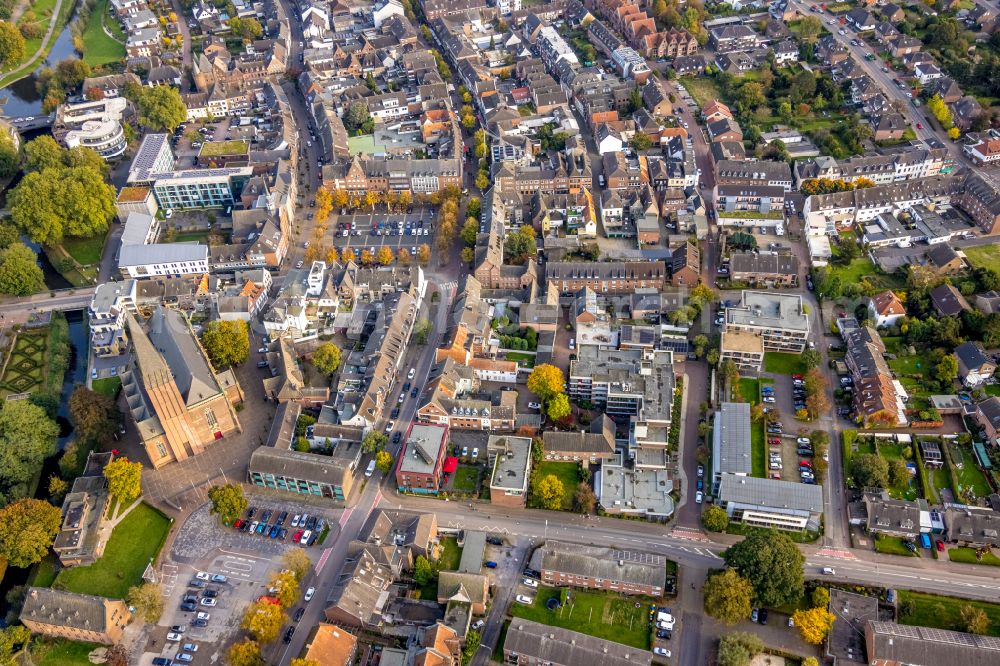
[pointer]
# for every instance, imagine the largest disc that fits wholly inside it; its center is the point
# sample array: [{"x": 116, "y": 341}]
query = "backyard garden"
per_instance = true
[{"x": 38, "y": 360}]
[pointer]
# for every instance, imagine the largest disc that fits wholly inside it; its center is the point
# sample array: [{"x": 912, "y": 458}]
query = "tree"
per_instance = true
[
  {"x": 286, "y": 584},
  {"x": 20, "y": 274},
  {"x": 699, "y": 344},
  {"x": 772, "y": 563},
  {"x": 357, "y": 117},
  {"x": 521, "y": 243},
  {"x": 546, "y": 381},
  {"x": 937, "y": 106},
  {"x": 324, "y": 203},
  {"x": 11, "y": 44},
  {"x": 947, "y": 369},
  {"x": 821, "y": 597},
  {"x": 899, "y": 475},
  {"x": 422, "y": 330},
  {"x": 228, "y": 502},
  {"x": 53, "y": 203},
  {"x": 814, "y": 624},
  {"x": 161, "y": 107},
  {"x": 469, "y": 231},
  {"x": 468, "y": 255},
  {"x": 227, "y": 342},
  {"x": 27, "y": 438},
  {"x": 641, "y": 141},
  {"x": 715, "y": 519},
  {"x": 558, "y": 407},
  {"x": 9, "y": 158},
  {"x": 147, "y": 599},
  {"x": 124, "y": 479},
  {"x": 312, "y": 662},
  {"x": 728, "y": 597},
  {"x": 584, "y": 498},
  {"x": 248, "y": 29},
  {"x": 473, "y": 640},
  {"x": 974, "y": 619},
  {"x": 383, "y": 461},
  {"x": 12, "y": 640},
  {"x": 482, "y": 180},
  {"x": 263, "y": 620},
  {"x": 95, "y": 416},
  {"x": 57, "y": 488},
  {"x": 869, "y": 470},
  {"x": 738, "y": 648},
  {"x": 403, "y": 257},
  {"x": 296, "y": 561},
  {"x": 811, "y": 358},
  {"x": 423, "y": 253},
  {"x": 423, "y": 571},
  {"x": 116, "y": 655},
  {"x": 374, "y": 441},
  {"x": 327, "y": 358},
  {"x": 548, "y": 491},
  {"x": 384, "y": 255},
  {"x": 27, "y": 529},
  {"x": 245, "y": 653}
]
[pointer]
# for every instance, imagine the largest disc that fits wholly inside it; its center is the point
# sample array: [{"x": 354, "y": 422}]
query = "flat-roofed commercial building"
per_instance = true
[
  {"x": 731, "y": 441},
  {"x": 510, "y": 470},
  {"x": 600, "y": 568},
  {"x": 777, "y": 318},
  {"x": 200, "y": 188},
  {"x": 532, "y": 644},
  {"x": 771, "y": 503},
  {"x": 330, "y": 476}
]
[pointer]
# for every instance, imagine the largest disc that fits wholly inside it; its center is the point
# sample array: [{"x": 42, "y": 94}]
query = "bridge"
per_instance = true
[
  {"x": 19, "y": 310},
  {"x": 31, "y": 123}
]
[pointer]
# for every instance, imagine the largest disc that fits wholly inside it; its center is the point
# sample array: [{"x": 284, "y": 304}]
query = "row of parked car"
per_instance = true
[{"x": 309, "y": 527}]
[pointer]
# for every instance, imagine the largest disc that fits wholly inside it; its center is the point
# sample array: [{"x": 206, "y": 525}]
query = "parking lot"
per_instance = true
[
  {"x": 242, "y": 564},
  {"x": 783, "y": 459},
  {"x": 365, "y": 230}
]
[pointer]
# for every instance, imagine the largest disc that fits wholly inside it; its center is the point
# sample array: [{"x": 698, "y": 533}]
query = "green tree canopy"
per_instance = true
[
  {"x": 43, "y": 153},
  {"x": 715, "y": 518},
  {"x": 558, "y": 407},
  {"x": 27, "y": 529},
  {"x": 95, "y": 416},
  {"x": 9, "y": 157},
  {"x": 728, "y": 597},
  {"x": 55, "y": 202},
  {"x": 375, "y": 440},
  {"x": 20, "y": 274},
  {"x": 227, "y": 342},
  {"x": 772, "y": 563},
  {"x": 228, "y": 502},
  {"x": 161, "y": 107},
  {"x": 327, "y": 358},
  {"x": 869, "y": 470},
  {"x": 147, "y": 599},
  {"x": 248, "y": 29},
  {"x": 27, "y": 438},
  {"x": 738, "y": 648},
  {"x": 11, "y": 44}
]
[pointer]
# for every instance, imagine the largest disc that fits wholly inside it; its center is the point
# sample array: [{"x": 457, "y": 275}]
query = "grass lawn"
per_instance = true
[
  {"x": 854, "y": 271},
  {"x": 59, "y": 652},
  {"x": 984, "y": 256},
  {"x": 85, "y": 250},
  {"x": 135, "y": 541},
  {"x": 969, "y": 474},
  {"x": 910, "y": 490},
  {"x": 968, "y": 556},
  {"x": 466, "y": 479},
  {"x": 568, "y": 473},
  {"x": 98, "y": 47},
  {"x": 931, "y": 610},
  {"x": 891, "y": 545},
  {"x": 109, "y": 386},
  {"x": 750, "y": 390},
  {"x": 527, "y": 360},
  {"x": 892, "y": 343},
  {"x": 702, "y": 88},
  {"x": 451, "y": 554},
  {"x": 783, "y": 363},
  {"x": 44, "y": 572},
  {"x": 601, "y": 614},
  {"x": 992, "y": 389}
]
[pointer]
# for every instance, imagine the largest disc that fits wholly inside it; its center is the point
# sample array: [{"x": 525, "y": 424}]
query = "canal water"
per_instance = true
[{"x": 21, "y": 98}]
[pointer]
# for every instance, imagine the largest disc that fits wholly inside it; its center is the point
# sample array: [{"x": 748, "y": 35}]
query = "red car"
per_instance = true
[
  {"x": 940, "y": 546},
  {"x": 806, "y": 463},
  {"x": 775, "y": 441},
  {"x": 920, "y": 125},
  {"x": 796, "y": 376},
  {"x": 238, "y": 524},
  {"x": 297, "y": 536}
]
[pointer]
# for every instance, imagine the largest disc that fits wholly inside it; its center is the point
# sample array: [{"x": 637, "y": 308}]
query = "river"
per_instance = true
[{"x": 21, "y": 98}]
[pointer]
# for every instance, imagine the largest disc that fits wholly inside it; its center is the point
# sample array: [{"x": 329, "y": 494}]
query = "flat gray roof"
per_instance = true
[
  {"x": 771, "y": 493},
  {"x": 769, "y": 310},
  {"x": 510, "y": 469},
  {"x": 731, "y": 439},
  {"x": 423, "y": 444},
  {"x": 161, "y": 253}
]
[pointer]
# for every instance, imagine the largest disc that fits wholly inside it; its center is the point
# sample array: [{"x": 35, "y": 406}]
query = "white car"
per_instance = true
[
  {"x": 828, "y": 571},
  {"x": 174, "y": 637},
  {"x": 204, "y": 616},
  {"x": 389, "y": 426},
  {"x": 530, "y": 582},
  {"x": 209, "y": 602},
  {"x": 478, "y": 624},
  {"x": 803, "y": 440},
  {"x": 475, "y": 453},
  {"x": 412, "y": 373},
  {"x": 534, "y": 405},
  {"x": 698, "y": 497},
  {"x": 769, "y": 399},
  {"x": 309, "y": 593},
  {"x": 201, "y": 575},
  {"x": 662, "y": 652},
  {"x": 524, "y": 599},
  {"x": 296, "y": 519}
]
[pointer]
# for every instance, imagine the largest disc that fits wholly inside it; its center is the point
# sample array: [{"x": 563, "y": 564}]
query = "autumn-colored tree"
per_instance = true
[
  {"x": 817, "y": 401},
  {"x": 227, "y": 342},
  {"x": 383, "y": 461},
  {"x": 116, "y": 655},
  {"x": 263, "y": 620},
  {"x": 340, "y": 199},
  {"x": 584, "y": 499},
  {"x": 974, "y": 619},
  {"x": 296, "y": 561},
  {"x": 367, "y": 257},
  {"x": 95, "y": 416},
  {"x": 424, "y": 253},
  {"x": 715, "y": 518},
  {"x": 384, "y": 255},
  {"x": 558, "y": 407},
  {"x": 57, "y": 487},
  {"x": 228, "y": 502},
  {"x": 546, "y": 381},
  {"x": 286, "y": 584},
  {"x": 331, "y": 255},
  {"x": 403, "y": 257},
  {"x": 304, "y": 662},
  {"x": 728, "y": 597},
  {"x": 324, "y": 203},
  {"x": 405, "y": 199},
  {"x": 327, "y": 358},
  {"x": 347, "y": 256},
  {"x": 814, "y": 624},
  {"x": 371, "y": 198},
  {"x": 27, "y": 529},
  {"x": 468, "y": 255},
  {"x": 124, "y": 479},
  {"x": 245, "y": 653},
  {"x": 548, "y": 492},
  {"x": 147, "y": 600}
]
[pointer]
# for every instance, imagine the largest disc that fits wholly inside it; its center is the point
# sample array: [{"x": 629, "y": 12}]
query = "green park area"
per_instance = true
[
  {"x": 60, "y": 652},
  {"x": 984, "y": 256},
  {"x": 605, "y": 615},
  {"x": 38, "y": 17},
  {"x": 135, "y": 543},
  {"x": 567, "y": 472},
  {"x": 783, "y": 363},
  {"x": 103, "y": 41}
]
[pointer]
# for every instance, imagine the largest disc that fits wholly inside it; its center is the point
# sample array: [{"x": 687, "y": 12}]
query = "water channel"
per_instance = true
[{"x": 21, "y": 98}]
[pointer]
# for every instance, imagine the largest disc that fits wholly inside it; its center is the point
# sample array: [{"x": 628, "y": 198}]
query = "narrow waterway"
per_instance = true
[{"x": 21, "y": 98}]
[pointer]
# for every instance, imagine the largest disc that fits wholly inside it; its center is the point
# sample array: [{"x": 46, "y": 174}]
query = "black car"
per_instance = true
[
  {"x": 251, "y": 511},
  {"x": 311, "y": 523},
  {"x": 395, "y": 413},
  {"x": 398, "y": 436},
  {"x": 414, "y": 393},
  {"x": 189, "y": 599},
  {"x": 281, "y": 518},
  {"x": 494, "y": 540},
  {"x": 266, "y": 517},
  {"x": 299, "y": 613},
  {"x": 664, "y": 634},
  {"x": 406, "y": 386},
  {"x": 210, "y": 594},
  {"x": 199, "y": 623},
  {"x": 188, "y": 606},
  {"x": 197, "y": 583},
  {"x": 161, "y": 661},
  {"x": 283, "y": 533},
  {"x": 289, "y": 633},
  {"x": 312, "y": 539},
  {"x": 762, "y": 616}
]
